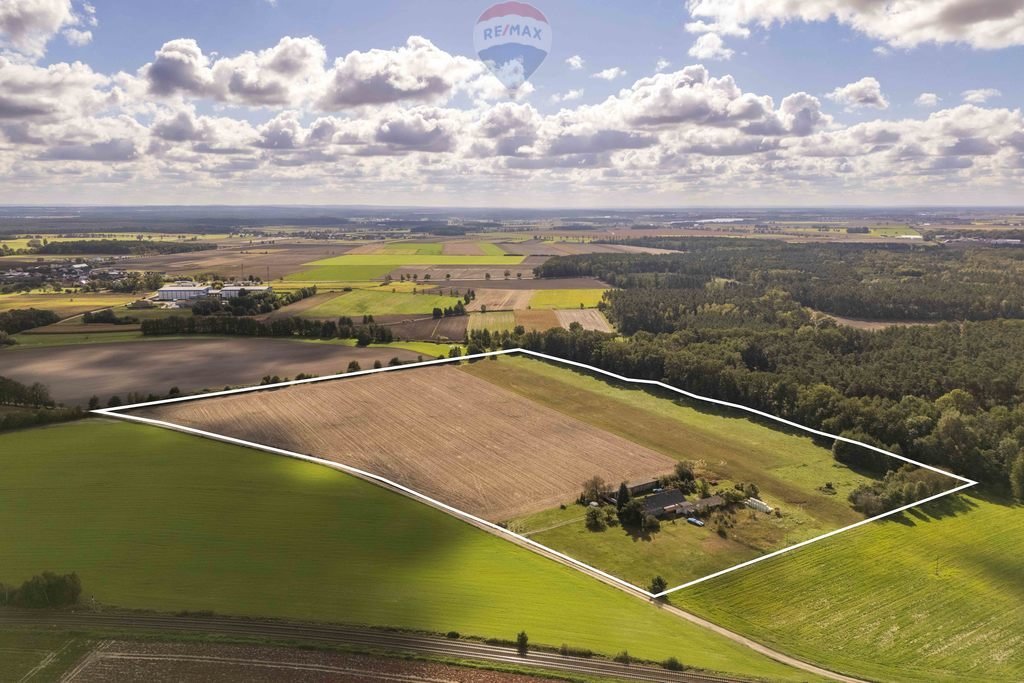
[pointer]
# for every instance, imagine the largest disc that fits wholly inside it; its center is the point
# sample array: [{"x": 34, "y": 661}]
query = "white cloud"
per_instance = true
[
  {"x": 575, "y": 62},
  {"x": 710, "y": 46},
  {"x": 26, "y": 26},
  {"x": 567, "y": 96},
  {"x": 984, "y": 24},
  {"x": 610, "y": 74},
  {"x": 867, "y": 92},
  {"x": 927, "y": 99},
  {"x": 662, "y": 64},
  {"x": 980, "y": 95},
  {"x": 882, "y": 51},
  {"x": 77, "y": 37}
]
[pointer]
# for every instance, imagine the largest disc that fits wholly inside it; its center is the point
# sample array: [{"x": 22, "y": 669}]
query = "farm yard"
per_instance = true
[
  {"x": 157, "y": 520},
  {"x": 437, "y": 430},
  {"x": 74, "y": 373}
]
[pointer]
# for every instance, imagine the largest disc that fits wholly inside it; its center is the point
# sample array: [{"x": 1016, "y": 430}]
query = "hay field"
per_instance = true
[
  {"x": 567, "y": 298},
  {"x": 537, "y": 320},
  {"x": 589, "y": 318},
  {"x": 438, "y": 430},
  {"x": 501, "y": 299},
  {"x": 498, "y": 321}
]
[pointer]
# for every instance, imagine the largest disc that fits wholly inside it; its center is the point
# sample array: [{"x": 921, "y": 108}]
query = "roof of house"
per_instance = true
[{"x": 663, "y": 499}]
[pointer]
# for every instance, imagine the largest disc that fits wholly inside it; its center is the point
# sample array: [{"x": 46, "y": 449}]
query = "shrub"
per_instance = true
[{"x": 672, "y": 664}]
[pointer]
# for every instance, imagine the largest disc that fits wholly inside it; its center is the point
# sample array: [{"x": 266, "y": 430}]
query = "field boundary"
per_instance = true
[{"x": 118, "y": 412}]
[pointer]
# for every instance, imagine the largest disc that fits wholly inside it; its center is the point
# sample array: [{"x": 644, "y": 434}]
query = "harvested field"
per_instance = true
[
  {"x": 419, "y": 328},
  {"x": 64, "y": 305},
  {"x": 528, "y": 283},
  {"x": 498, "y": 321},
  {"x": 437, "y": 430},
  {"x": 74, "y": 373},
  {"x": 501, "y": 299},
  {"x": 122, "y": 661},
  {"x": 276, "y": 260},
  {"x": 551, "y": 248},
  {"x": 589, "y": 318},
  {"x": 465, "y": 248},
  {"x": 537, "y": 320},
  {"x": 567, "y": 298}
]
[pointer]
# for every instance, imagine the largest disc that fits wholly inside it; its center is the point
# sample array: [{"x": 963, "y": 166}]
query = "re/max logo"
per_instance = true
[{"x": 509, "y": 30}]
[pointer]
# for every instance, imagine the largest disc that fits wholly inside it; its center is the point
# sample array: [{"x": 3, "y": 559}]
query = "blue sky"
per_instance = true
[
  {"x": 607, "y": 33},
  {"x": 307, "y": 101}
]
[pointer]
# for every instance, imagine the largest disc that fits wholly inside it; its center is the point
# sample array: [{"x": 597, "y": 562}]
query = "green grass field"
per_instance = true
[
  {"x": 495, "y": 321},
  {"x": 935, "y": 596},
  {"x": 566, "y": 298},
  {"x": 65, "y": 305},
  {"x": 789, "y": 469},
  {"x": 371, "y": 266},
  {"x": 47, "y": 654},
  {"x": 154, "y": 519},
  {"x": 370, "y": 302}
]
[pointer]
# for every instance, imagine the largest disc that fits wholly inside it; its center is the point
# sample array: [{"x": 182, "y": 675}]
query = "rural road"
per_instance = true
[{"x": 389, "y": 641}]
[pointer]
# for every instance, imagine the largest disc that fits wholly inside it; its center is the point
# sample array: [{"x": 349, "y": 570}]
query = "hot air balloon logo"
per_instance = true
[{"x": 512, "y": 39}]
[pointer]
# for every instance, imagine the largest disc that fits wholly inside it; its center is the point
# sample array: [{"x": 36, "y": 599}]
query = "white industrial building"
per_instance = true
[
  {"x": 181, "y": 291},
  {"x": 232, "y": 291}
]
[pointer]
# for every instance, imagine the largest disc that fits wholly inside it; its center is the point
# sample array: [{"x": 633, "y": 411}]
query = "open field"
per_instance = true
[
  {"x": 566, "y": 248},
  {"x": 75, "y": 372},
  {"x": 788, "y": 468},
  {"x": 874, "y": 325},
  {"x": 370, "y": 302},
  {"x": 437, "y": 430},
  {"x": 935, "y": 595},
  {"x": 43, "y": 655},
  {"x": 501, "y": 299},
  {"x": 426, "y": 328},
  {"x": 498, "y": 321},
  {"x": 154, "y": 519},
  {"x": 65, "y": 305},
  {"x": 240, "y": 259},
  {"x": 590, "y": 319},
  {"x": 537, "y": 320},
  {"x": 566, "y": 298},
  {"x": 119, "y": 661},
  {"x": 371, "y": 266},
  {"x": 527, "y": 283}
]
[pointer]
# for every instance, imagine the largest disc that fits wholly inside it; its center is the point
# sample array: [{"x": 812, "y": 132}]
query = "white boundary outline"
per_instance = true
[{"x": 499, "y": 530}]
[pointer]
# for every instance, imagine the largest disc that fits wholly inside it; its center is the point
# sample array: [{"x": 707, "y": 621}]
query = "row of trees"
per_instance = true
[
  {"x": 121, "y": 247},
  {"x": 43, "y": 590},
  {"x": 343, "y": 328},
  {"x": 21, "y": 319}
]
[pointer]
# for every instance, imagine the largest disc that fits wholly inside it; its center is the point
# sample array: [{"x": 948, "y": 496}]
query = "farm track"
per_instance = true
[{"x": 379, "y": 640}]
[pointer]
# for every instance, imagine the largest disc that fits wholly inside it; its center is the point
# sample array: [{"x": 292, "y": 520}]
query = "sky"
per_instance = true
[{"x": 665, "y": 103}]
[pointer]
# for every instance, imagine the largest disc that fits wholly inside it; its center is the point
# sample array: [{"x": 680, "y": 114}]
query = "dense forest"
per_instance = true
[
  {"x": 127, "y": 247},
  {"x": 890, "y": 282},
  {"x": 727, "y": 320}
]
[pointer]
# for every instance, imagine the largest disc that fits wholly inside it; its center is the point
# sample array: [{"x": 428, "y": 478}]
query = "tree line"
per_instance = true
[
  {"x": 344, "y": 328},
  {"x": 119, "y": 247}
]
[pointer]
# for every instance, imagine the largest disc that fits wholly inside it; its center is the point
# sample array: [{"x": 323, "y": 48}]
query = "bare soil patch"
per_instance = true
[
  {"x": 462, "y": 249},
  {"x": 537, "y": 320},
  {"x": 501, "y": 299},
  {"x": 874, "y": 325},
  {"x": 74, "y": 373},
  {"x": 425, "y": 328},
  {"x": 589, "y": 318},
  {"x": 120, "y": 661},
  {"x": 276, "y": 260},
  {"x": 437, "y": 430}
]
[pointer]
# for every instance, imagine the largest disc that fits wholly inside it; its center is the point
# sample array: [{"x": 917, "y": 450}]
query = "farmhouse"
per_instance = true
[
  {"x": 180, "y": 291},
  {"x": 672, "y": 503},
  {"x": 232, "y": 291}
]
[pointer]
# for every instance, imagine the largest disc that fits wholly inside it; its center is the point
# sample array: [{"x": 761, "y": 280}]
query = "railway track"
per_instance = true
[{"x": 379, "y": 640}]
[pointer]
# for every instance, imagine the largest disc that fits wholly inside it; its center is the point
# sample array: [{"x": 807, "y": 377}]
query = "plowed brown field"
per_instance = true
[{"x": 437, "y": 430}]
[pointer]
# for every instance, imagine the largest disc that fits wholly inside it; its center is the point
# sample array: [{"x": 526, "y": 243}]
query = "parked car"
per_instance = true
[{"x": 694, "y": 521}]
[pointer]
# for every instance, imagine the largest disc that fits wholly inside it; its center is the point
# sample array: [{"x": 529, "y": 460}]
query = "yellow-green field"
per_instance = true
[
  {"x": 371, "y": 302},
  {"x": 550, "y": 299},
  {"x": 371, "y": 266},
  {"x": 937, "y": 595},
  {"x": 65, "y": 305},
  {"x": 495, "y": 321}
]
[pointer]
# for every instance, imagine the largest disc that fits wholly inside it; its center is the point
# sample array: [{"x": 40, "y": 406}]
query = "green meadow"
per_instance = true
[
  {"x": 495, "y": 321},
  {"x": 371, "y": 266},
  {"x": 566, "y": 298},
  {"x": 154, "y": 519},
  {"x": 361, "y": 302},
  {"x": 935, "y": 595}
]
